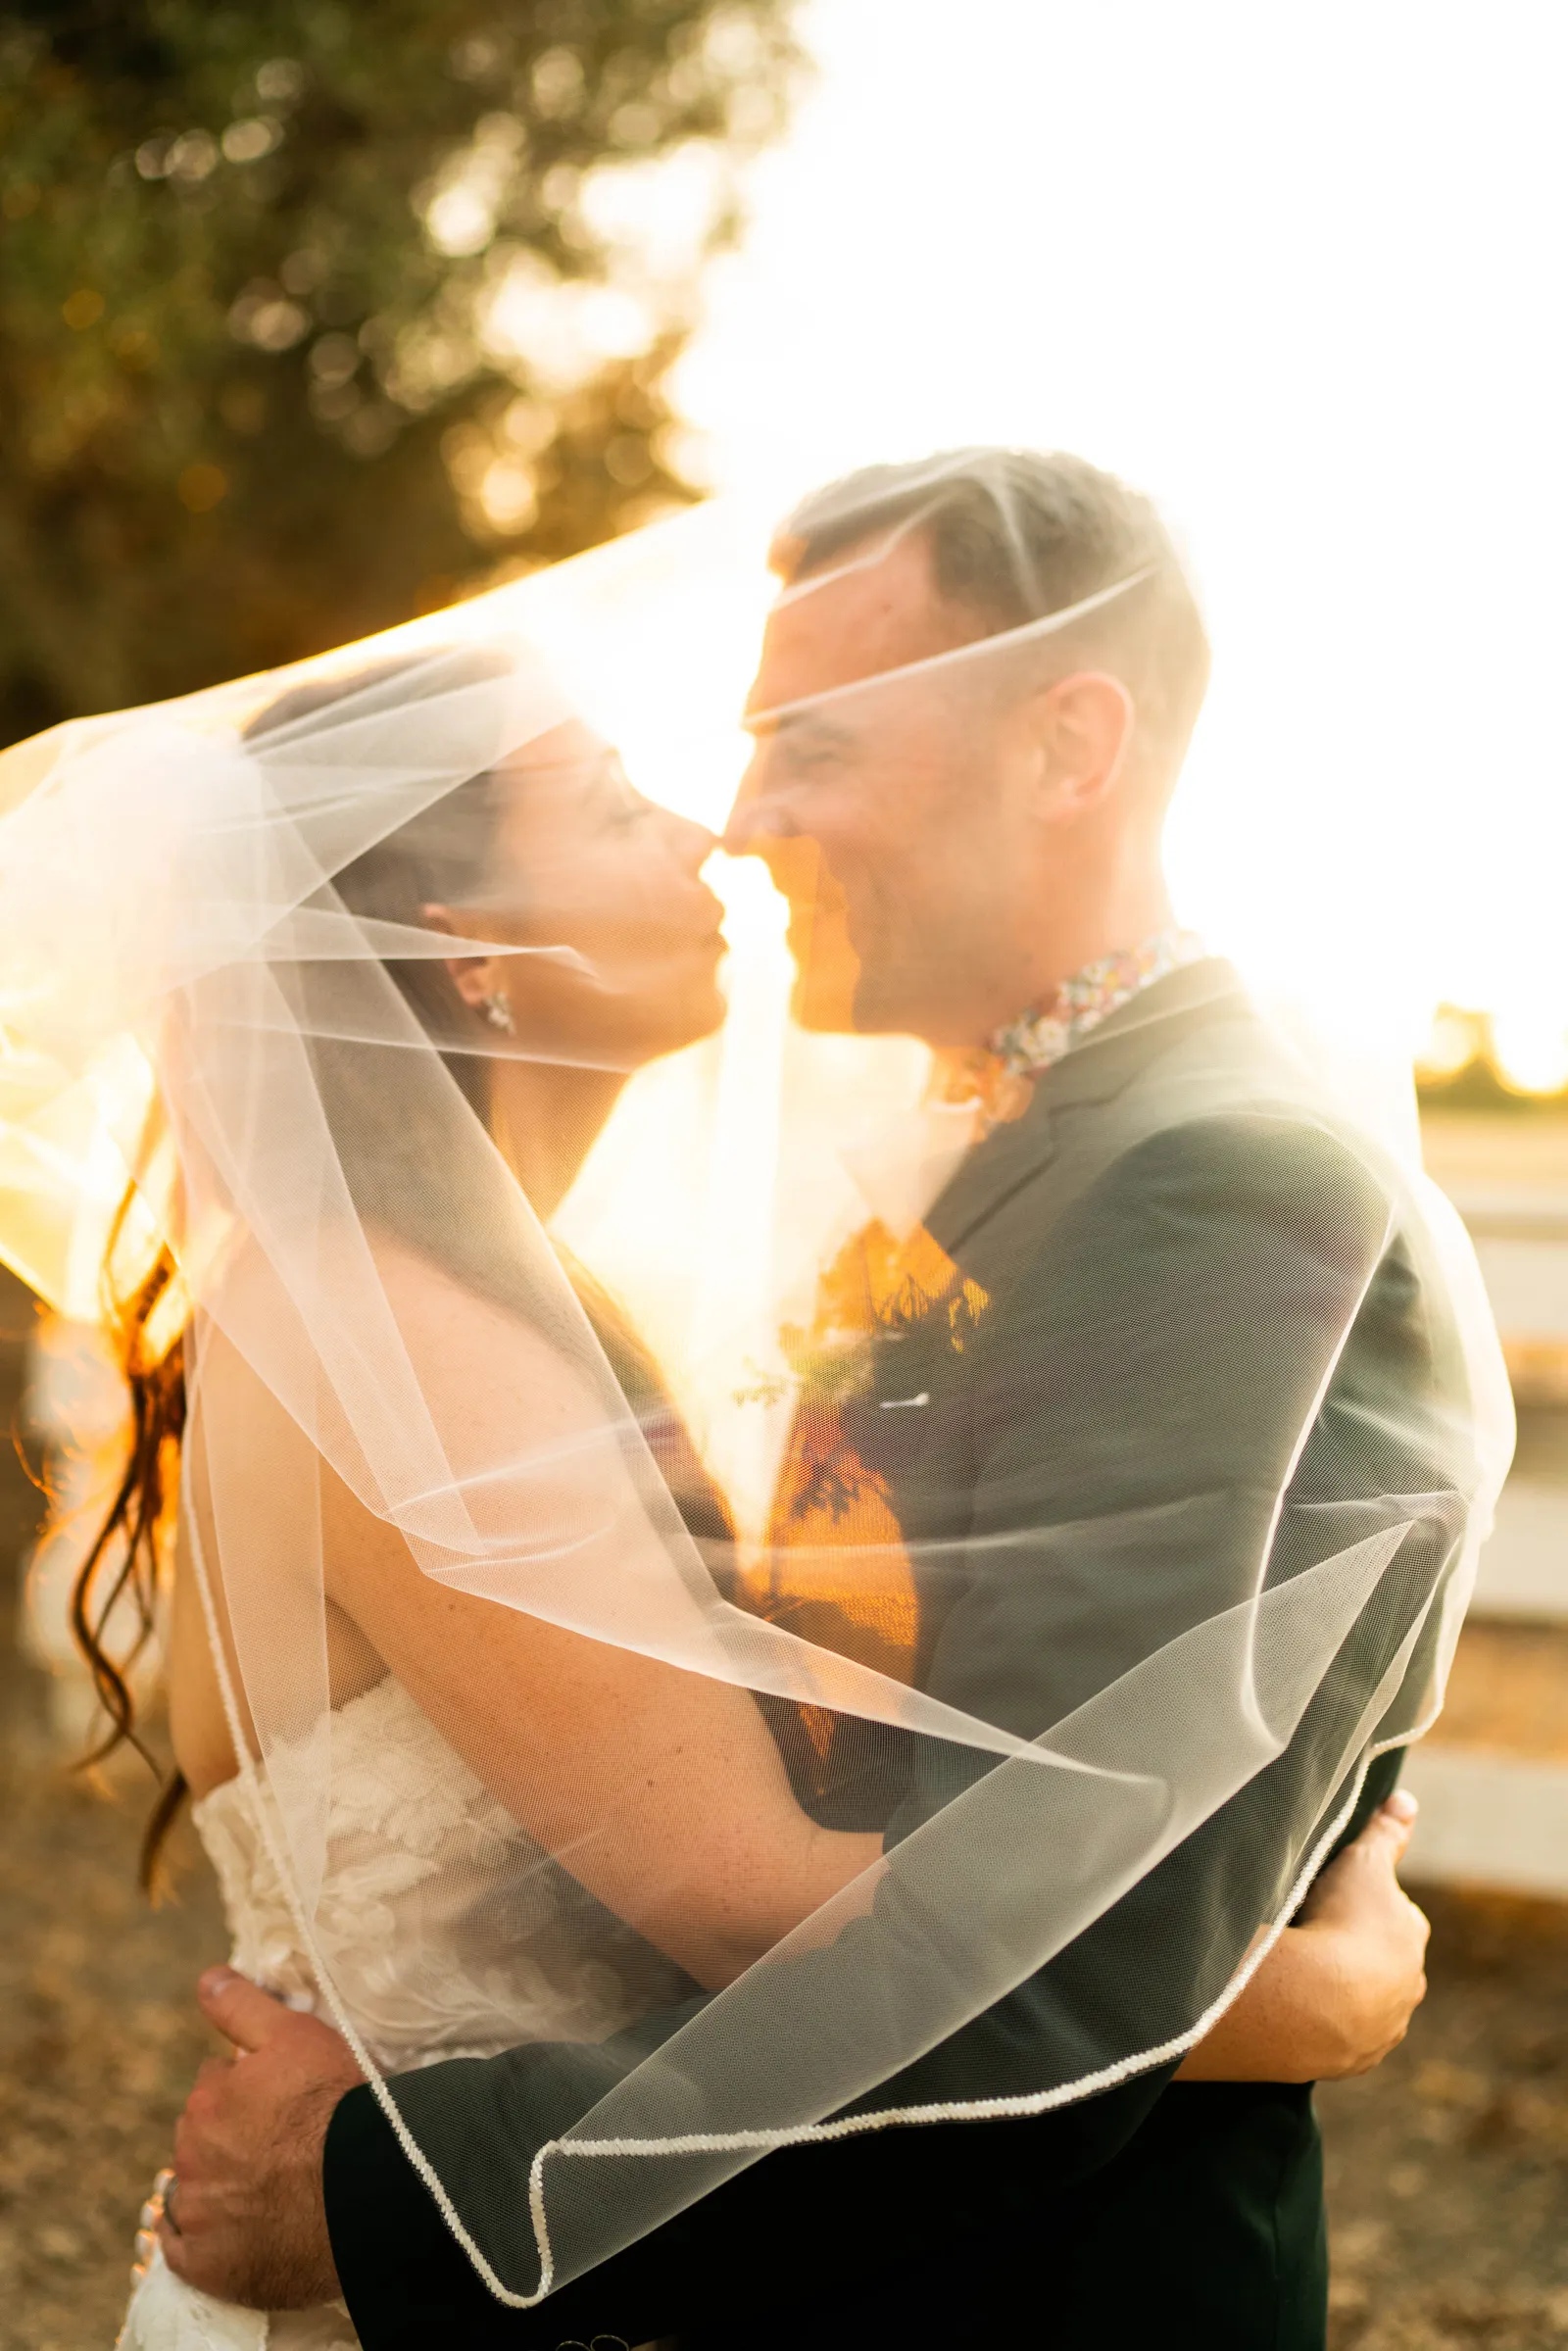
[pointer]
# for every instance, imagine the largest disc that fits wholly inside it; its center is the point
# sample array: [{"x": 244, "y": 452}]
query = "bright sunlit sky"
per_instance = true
[{"x": 1298, "y": 271}]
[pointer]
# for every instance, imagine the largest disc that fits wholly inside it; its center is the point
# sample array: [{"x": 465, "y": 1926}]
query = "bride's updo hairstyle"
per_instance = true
[{"x": 444, "y": 855}]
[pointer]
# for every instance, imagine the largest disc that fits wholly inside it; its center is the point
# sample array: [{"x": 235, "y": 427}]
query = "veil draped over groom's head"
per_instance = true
[
  {"x": 1015, "y": 538},
  {"x": 1103, "y": 1424}
]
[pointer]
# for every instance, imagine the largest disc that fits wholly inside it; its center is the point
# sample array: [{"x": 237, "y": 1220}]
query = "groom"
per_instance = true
[{"x": 996, "y": 887}]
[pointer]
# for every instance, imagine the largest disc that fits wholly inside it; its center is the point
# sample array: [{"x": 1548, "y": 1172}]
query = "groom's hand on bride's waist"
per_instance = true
[{"x": 245, "y": 2218}]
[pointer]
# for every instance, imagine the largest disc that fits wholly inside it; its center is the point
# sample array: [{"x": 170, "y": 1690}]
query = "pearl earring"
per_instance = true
[{"x": 498, "y": 1013}]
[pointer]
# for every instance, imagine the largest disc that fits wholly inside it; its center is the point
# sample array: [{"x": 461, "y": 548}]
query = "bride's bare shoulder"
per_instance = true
[
  {"x": 404, "y": 1338},
  {"x": 536, "y": 1348}
]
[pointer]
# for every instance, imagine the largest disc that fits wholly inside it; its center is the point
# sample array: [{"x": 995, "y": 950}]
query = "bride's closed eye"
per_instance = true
[{"x": 612, "y": 795}]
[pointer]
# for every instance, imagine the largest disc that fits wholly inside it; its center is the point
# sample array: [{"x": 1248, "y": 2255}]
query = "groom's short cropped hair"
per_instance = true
[{"x": 1017, "y": 534}]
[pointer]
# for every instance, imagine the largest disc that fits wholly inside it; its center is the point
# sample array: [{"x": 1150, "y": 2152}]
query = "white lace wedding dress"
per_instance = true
[{"x": 406, "y": 1820}]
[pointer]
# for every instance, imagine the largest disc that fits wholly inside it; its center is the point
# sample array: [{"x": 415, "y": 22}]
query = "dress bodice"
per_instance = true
[{"x": 446, "y": 1930}]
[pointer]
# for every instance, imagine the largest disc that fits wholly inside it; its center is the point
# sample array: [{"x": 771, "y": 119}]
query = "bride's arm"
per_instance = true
[
  {"x": 1338, "y": 1990},
  {"x": 660, "y": 1789}
]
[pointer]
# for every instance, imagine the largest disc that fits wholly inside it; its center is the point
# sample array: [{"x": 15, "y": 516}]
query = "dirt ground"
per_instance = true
[
  {"x": 99, "y": 2038},
  {"x": 1448, "y": 2168}
]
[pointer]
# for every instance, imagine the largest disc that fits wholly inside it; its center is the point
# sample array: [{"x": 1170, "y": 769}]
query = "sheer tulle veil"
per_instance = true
[{"x": 203, "y": 917}]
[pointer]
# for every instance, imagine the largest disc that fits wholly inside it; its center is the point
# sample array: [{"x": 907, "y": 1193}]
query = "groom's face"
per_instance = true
[{"x": 869, "y": 796}]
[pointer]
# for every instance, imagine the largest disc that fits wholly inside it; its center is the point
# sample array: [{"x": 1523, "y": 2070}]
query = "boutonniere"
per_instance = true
[{"x": 877, "y": 1291}]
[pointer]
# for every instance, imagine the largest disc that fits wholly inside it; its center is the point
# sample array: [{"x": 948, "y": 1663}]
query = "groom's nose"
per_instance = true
[{"x": 755, "y": 817}]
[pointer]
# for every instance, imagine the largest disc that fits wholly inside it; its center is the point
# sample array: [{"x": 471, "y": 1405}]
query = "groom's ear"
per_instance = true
[{"x": 1083, "y": 727}]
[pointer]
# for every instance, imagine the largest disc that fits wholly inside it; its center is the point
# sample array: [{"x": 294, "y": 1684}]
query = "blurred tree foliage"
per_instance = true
[{"x": 311, "y": 313}]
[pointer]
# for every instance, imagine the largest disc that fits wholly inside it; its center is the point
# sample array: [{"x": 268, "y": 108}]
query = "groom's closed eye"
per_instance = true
[
  {"x": 801, "y": 728},
  {"x": 801, "y": 744}
]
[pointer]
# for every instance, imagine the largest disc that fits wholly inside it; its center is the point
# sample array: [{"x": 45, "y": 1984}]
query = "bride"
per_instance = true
[
  {"x": 396, "y": 1016},
  {"x": 553, "y": 848}
]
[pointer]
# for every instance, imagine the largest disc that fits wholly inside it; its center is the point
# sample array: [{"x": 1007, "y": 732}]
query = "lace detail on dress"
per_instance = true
[
  {"x": 426, "y": 1968},
  {"x": 166, "y": 2315}
]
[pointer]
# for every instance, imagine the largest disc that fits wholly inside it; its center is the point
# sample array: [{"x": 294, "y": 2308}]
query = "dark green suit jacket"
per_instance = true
[{"x": 1172, "y": 1242}]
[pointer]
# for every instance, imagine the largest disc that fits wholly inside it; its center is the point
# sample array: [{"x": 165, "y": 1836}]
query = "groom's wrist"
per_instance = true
[{"x": 392, "y": 2250}]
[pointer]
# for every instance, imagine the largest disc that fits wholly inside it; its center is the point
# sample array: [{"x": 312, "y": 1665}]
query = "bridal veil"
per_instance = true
[{"x": 214, "y": 984}]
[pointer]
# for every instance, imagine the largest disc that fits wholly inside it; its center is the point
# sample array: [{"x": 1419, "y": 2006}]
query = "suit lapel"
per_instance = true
[{"x": 1137, "y": 1035}]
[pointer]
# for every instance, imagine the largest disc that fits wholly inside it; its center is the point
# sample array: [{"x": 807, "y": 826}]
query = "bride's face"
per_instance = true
[{"x": 583, "y": 861}]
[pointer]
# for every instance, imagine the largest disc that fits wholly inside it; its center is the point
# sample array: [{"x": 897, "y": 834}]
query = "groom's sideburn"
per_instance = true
[{"x": 1153, "y": 2211}]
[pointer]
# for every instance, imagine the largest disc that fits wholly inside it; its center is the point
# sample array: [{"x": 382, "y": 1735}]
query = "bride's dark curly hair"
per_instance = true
[{"x": 442, "y": 855}]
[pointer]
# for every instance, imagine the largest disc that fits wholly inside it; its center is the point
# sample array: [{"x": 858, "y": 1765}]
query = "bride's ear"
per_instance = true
[{"x": 473, "y": 976}]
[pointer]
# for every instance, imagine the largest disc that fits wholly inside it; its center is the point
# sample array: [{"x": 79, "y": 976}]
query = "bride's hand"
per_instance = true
[
  {"x": 1339, "y": 1988},
  {"x": 1377, "y": 1938},
  {"x": 245, "y": 2218}
]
